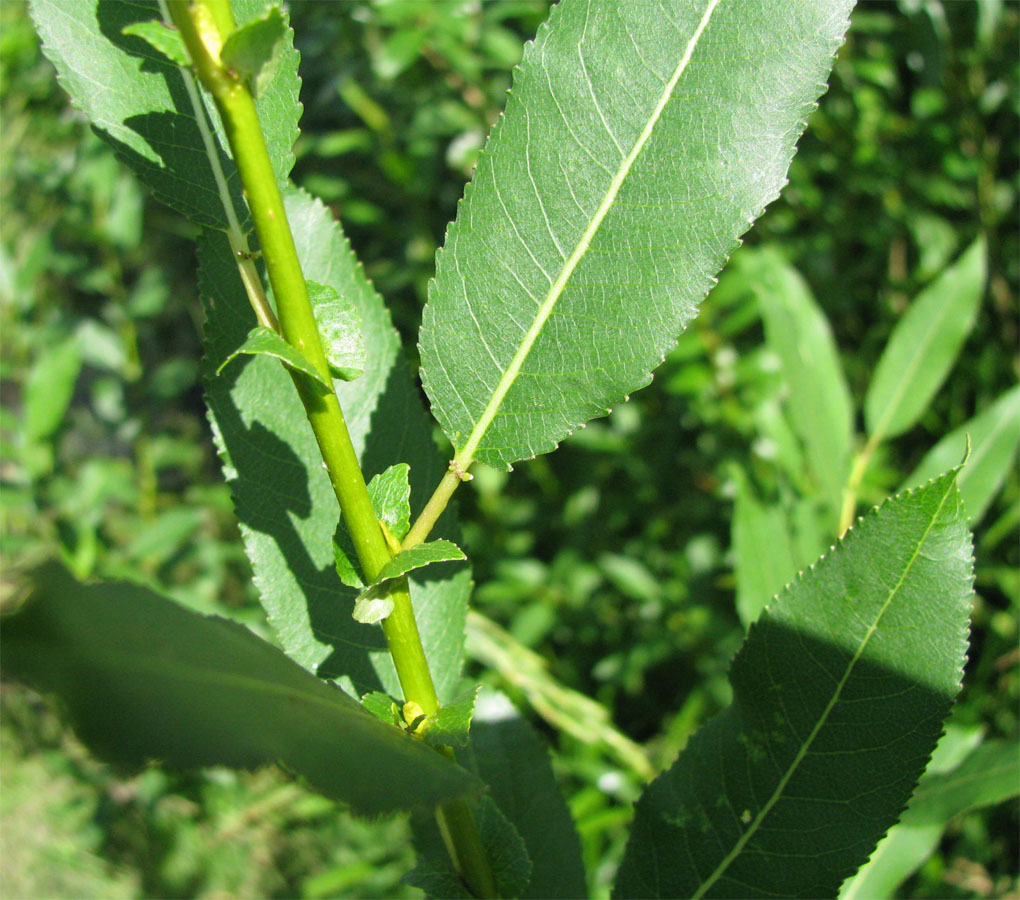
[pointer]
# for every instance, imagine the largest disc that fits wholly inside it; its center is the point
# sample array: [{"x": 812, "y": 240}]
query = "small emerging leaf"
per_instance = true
[
  {"x": 163, "y": 38},
  {"x": 450, "y": 726},
  {"x": 382, "y": 707},
  {"x": 373, "y": 605},
  {"x": 253, "y": 49},
  {"x": 419, "y": 557},
  {"x": 264, "y": 341},
  {"x": 340, "y": 329}
]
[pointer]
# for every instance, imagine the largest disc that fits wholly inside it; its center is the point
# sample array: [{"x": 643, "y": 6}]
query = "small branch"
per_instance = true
[{"x": 428, "y": 517}]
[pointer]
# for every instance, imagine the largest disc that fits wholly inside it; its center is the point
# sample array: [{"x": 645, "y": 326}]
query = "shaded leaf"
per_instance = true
[
  {"x": 265, "y": 341},
  {"x": 635, "y": 149},
  {"x": 339, "y": 325},
  {"x": 924, "y": 345},
  {"x": 993, "y": 434},
  {"x": 839, "y": 693},
  {"x": 49, "y": 387},
  {"x": 144, "y": 678},
  {"x": 144, "y": 110},
  {"x": 282, "y": 495},
  {"x": 450, "y": 726}
]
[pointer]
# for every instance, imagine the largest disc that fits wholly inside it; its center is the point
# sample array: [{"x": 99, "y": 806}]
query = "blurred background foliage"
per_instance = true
[{"x": 612, "y": 559}]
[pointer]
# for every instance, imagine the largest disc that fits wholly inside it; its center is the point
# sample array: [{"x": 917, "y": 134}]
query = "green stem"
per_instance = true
[
  {"x": 204, "y": 25},
  {"x": 860, "y": 466}
]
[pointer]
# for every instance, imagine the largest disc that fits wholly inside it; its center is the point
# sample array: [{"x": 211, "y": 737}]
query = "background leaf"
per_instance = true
[
  {"x": 146, "y": 679},
  {"x": 924, "y": 346},
  {"x": 282, "y": 495},
  {"x": 838, "y": 698},
  {"x": 993, "y": 441},
  {"x": 989, "y": 775},
  {"x": 630, "y": 158},
  {"x": 818, "y": 404}
]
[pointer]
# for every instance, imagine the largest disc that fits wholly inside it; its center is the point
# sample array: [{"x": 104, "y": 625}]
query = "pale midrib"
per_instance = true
[
  {"x": 466, "y": 454},
  {"x": 822, "y": 719}
]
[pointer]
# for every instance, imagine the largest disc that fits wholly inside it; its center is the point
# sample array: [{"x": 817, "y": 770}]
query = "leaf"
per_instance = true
[
  {"x": 924, "y": 345},
  {"x": 639, "y": 142},
  {"x": 144, "y": 110},
  {"x": 144, "y": 678},
  {"x": 763, "y": 553},
  {"x": 839, "y": 693},
  {"x": 451, "y": 725},
  {"x": 372, "y": 606},
  {"x": 514, "y": 762},
  {"x": 502, "y": 844},
  {"x": 818, "y": 401},
  {"x": 991, "y": 774},
  {"x": 419, "y": 557},
  {"x": 161, "y": 37},
  {"x": 382, "y": 706},
  {"x": 253, "y": 50},
  {"x": 340, "y": 329},
  {"x": 993, "y": 442},
  {"x": 267, "y": 342},
  {"x": 49, "y": 388},
  {"x": 282, "y": 495}
]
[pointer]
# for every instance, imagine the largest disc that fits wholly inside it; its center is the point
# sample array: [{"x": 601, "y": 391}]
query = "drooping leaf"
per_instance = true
[
  {"x": 264, "y": 341},
  {"x": 924, "y": 345},
  {"x": 372, "y": 606},
  {"x": 340, "y": 329},
  {"x": 839, "y": 693},
  {"x": 818, "y": 403},
  {"x": 989, "y": 775},
  {"x": 993, "y": 434},
  {"x": 418, "y": 557},
  {"x": 282, "y": 495},
  {"x": 144, "y": 110},
  {"x": 144, "y": 678},
  {"x": 636, "y": 148},
  {"x": 253, "y": 50},
  {"x": 162, "y": 37}
]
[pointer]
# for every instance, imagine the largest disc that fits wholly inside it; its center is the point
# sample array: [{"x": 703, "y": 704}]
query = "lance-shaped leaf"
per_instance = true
[
  {"x": 144, "y": 109},
  {"x": 639, "y": 142},
  {"x": 818, "y": 399},
  {"x": 839, "y": 693},
  {"x": 924, "y": 345},
  {"x": 282, "y": 495},
  {"x": 993, "y": 442},
  {"x": 144, "y": 678}
]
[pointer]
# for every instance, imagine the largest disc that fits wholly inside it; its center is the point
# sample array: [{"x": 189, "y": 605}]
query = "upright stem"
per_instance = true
[{"x": 204, "y": 25}]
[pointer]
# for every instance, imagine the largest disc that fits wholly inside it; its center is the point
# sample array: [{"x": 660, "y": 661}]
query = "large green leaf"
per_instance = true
[
  {"x": 144, "y": 678},
  {"x": 638, "y": 143},
  {"x": 282, "y": 495},
  {"x": 818, "y": 401},
  {"x": 839, "y": 695},
  {"x": 924, "y": 346},
  {"x": 993, "y": 442},
  {"x": 991, "y": 774},
  {"x": 138, "y": 102}
]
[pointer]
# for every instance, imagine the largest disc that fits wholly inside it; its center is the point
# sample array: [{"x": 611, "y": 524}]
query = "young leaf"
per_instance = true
[
  {"x": 282, "y": 494},
  {"x": 144, "y": 678},
  {"x": 163, "y": 38},
  {"x": 144, "y": 110},
  {"x": 419, "y": 557},
  {"x": 253, "y": 50},
  {"x": 266, "y": 342},
  {"x": 818, "y": 403},
  {"x": 993, "y": 442},
  {"x": 631, "y": 157},
  {"x": 924, "y": 345},
  {"x": 340, "y": 328},
  {"x": 451, "y": 725},
  {"x": 990, "y": 775},
  {"x": 839, "y": 693}
]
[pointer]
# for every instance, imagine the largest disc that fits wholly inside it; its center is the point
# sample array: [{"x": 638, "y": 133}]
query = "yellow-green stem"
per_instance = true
[{"x": 204, "y": 25}]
